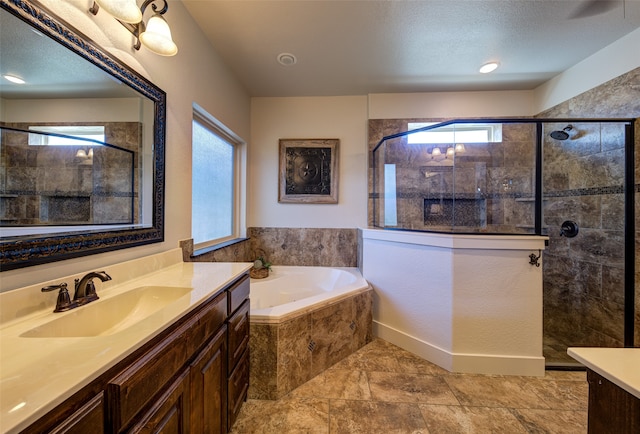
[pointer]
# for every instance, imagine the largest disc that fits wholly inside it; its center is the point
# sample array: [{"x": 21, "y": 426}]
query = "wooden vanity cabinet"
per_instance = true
[
  {"x": 238, "y": 354},
  {"x": 87, "y": 420},
  {"x": 208, "y": 374},
  {"x": 192, "y": 378}
]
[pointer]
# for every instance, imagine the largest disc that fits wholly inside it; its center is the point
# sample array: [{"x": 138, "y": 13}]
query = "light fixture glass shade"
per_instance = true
[
  {"x": 436, "y": 151},
  {"x": 450, "y": 152},
  {"x": 460, "y": 147},
  {"x": 157, "y": 37},
  {"x": 125, "y": 10}
]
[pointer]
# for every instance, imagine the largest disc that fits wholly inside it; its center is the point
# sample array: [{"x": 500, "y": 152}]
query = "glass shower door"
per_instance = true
[{"x": 584, "y": 217}]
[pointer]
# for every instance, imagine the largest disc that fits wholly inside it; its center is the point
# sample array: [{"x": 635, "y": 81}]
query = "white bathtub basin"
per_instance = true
[{"x": 109, "y": 316}]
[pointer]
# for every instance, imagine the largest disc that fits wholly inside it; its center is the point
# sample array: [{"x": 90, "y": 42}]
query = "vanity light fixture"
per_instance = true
[
  {"x": 123, "y": 10},
  {"x": 488, "y": 67},
  {"x": 437, "y": 154},
  {"x": 155, "y": 35}
]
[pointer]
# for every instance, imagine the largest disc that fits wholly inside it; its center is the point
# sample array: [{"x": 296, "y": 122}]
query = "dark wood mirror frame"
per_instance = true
[{"x": 25, "y": 251}]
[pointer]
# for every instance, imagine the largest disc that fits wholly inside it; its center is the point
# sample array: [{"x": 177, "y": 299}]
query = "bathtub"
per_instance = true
[
  {"x": 290, "y": 291},
  {"x": 302, "y": 321}
]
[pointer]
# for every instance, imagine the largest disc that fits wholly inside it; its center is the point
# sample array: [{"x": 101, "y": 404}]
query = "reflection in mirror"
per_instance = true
[
  {"x": 89, "y": 194},
  {"x": 61, "y": 180}
]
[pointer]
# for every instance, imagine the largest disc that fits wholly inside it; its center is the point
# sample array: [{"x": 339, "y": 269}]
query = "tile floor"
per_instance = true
[{"x": 384, "y": 389}]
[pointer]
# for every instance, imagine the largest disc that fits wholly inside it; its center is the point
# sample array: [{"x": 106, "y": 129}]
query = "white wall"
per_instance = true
[
  {"x": 195, "y": 74},
  {"x": 343, "y": 118},
  {"x": 612, "y": 61},
  {"x": 451, "y": 105},
  {"x": 72, "y": 110}
]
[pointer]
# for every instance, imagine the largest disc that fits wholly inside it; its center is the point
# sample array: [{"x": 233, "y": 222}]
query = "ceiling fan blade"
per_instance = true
[{"x": 590, "y": 8}]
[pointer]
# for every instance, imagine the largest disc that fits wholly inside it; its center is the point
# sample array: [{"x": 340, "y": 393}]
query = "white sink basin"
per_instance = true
[{"x": 106, "y": 317}]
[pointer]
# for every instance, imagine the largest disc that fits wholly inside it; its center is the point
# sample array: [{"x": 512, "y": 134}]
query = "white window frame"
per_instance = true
[
  {"x": 239, "y": 177},
  {"x": 494, "y": 132},
  {"x": 93, "y": 133}
]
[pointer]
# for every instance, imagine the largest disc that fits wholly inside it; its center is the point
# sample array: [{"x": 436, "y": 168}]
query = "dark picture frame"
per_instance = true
[{"x": 308, "y": 171}]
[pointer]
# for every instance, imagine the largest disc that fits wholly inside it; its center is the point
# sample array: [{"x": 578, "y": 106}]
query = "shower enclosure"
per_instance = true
[
  {"x": 54, "y": 180},
  {"x": 571, "y": 180}
]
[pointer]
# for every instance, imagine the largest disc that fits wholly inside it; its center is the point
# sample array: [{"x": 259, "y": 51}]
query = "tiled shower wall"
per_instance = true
[
  {"x": 583, "y": 276},
  {"x": 48, "y": 185}
]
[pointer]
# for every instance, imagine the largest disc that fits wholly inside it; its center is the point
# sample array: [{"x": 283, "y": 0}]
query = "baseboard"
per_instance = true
[{"x": 459, "y": 362}]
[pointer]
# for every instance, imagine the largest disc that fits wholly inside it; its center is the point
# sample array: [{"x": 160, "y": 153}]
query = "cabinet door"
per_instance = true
[
  {"x": 238, "y": 335},
  {"x": 170, "y": 413},
  {"x": 238, "y": 387},
  {"x": 87, "y": 420},
  {"x": 208, "y": 374}
]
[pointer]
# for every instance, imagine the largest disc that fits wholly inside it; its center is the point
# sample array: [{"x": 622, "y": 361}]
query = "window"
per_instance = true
[
  {"x": 455, "y": 133},
  {"x": 61, "y": 135},
  {"x": 215, "y": 199}
]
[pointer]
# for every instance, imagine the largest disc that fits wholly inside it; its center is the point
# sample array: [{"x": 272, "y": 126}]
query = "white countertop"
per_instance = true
[
  {"x": 621, "y": 366},
  {"x": 37, "y": 374}
]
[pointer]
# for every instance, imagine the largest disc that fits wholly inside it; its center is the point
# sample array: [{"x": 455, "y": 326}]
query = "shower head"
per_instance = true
[{"x": 561, "y": 135}]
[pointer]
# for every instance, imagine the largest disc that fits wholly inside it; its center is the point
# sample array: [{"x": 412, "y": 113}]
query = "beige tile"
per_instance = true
[
  {"x": 469, "y": 420},
  {"x": 553, "y": 421},
  {"x": 330, "y": 330},
  {"x": 294, "y": 357},
  {"x": 561, "y": 395},
  {"x": 411, "y": 363},
  {"x": 376, "y": 356},
  {"x": 306, "y": 415},
  {"x": 369, "y": 417},
  {"x": 494, "y": 391},
  {"x": 263, "y": 361},
  {"x": 336, "y": 384},
  {"x": 399, "y": 387},
  {"x": 566, "y": 375}
]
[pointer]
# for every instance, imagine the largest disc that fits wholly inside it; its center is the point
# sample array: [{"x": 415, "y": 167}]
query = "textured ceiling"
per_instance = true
[
  {"x": 370, "y": 46},
  {"x": 50, "y": 69}
]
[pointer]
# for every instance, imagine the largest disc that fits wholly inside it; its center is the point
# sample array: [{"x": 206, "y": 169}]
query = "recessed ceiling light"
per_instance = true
[
  {"x": 14, "y": 79},
  {"x": 488, "y": 67},
  {"x": 287, "y": 59}
]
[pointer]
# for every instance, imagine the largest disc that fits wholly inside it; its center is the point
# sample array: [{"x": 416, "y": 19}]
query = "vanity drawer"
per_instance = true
[
  {"x": 238, "y": 387},
  {"x": 238, "y": 334},
  {"x": 238, "y": 293},
  {"x": 208, "y": 322},
  {"x": 134, "y": 388}
]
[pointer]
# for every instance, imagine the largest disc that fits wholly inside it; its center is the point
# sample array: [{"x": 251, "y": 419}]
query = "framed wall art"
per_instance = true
[{"x": 308, "y": 171}]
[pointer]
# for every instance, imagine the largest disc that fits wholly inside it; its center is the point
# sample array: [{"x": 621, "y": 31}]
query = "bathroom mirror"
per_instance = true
[{"x": 74, "y": 83}]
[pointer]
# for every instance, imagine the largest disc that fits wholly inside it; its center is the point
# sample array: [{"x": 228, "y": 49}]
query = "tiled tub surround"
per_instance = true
[
  {"x": 325, "y": 247},
  {"x": 40, "y": 373},
  {"x": 583, "y": 276},
  {"x": 50, "y": 185},
  {"x": 290, "y": 348}
]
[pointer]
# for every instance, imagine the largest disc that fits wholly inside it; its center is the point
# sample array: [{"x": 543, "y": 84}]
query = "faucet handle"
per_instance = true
[
  {"x": 64, "y": 300},
  {"x": 90, "y": 291}
]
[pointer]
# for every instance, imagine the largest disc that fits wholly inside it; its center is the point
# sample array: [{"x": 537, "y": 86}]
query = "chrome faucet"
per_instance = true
[{"x": 85, "y": 289}]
